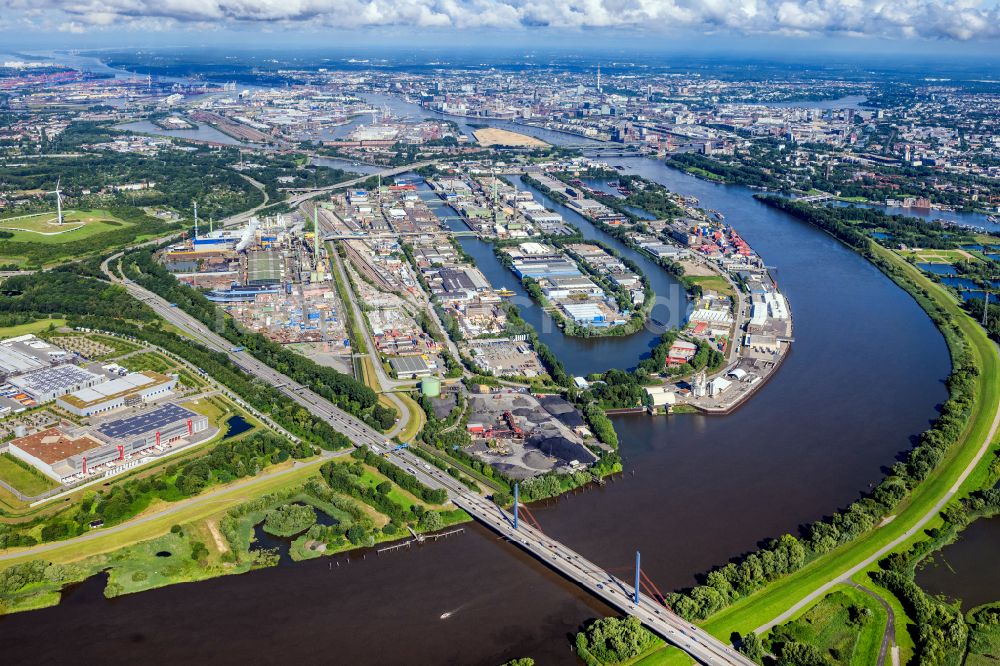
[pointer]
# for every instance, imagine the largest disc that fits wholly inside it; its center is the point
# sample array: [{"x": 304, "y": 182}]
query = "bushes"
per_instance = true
[
  {"x": 289, "y": 519},
  {"x": 723, "y": 586},
  {"x": 403, "y": 478},
  {"x": 613, "y": 640},
  {"x": 941, "y": 632}
]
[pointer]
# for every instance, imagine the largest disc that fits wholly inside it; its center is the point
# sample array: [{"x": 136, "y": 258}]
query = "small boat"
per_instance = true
[{"x": 505, "y": 293}]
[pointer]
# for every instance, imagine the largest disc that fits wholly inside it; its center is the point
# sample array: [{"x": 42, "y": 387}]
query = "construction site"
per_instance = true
[{"x": 523, "y": 435}]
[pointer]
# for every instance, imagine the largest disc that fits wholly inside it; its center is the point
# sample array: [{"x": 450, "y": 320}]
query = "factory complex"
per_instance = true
[
  {"x": 271, "y": 275},
  {"x": 68, "y": 453},
  {"x": 104, "y": 419}
]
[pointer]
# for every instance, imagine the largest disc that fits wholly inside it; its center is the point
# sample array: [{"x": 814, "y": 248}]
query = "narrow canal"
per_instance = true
[
  {"x": 580, "y": 356},
  {"x": 864, "y": 378}
]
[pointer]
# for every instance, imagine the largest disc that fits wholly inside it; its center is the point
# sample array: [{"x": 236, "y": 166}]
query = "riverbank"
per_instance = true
[
  {"x": 738, "y": 308},
  {"x": 962, "y": 469}
]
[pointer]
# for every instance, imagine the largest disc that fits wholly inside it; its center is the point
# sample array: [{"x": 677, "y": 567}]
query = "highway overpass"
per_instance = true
[{"x": 699, "y": 644}]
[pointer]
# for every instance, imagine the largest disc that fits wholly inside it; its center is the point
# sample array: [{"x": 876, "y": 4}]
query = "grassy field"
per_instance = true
[
  {"x": 43, "y": 228},
  {"x": 935, "y": 256},
  {"x": 31, "y": 327},
  {"x": 417, "y": 418},
  {"x": 904, "y": 641},
  {"x": 715, "y": 283},
  {"x": 28, "y": 481},
  {"x": 769, "y": 603},
  {"x": 828, "y": 626},
  {"x": 159, "y": 517},
  {"x": 403, "y": 498}
]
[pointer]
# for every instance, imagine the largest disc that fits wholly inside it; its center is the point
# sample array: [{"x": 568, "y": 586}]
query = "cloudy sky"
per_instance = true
[{"x": 121, "y": 22}]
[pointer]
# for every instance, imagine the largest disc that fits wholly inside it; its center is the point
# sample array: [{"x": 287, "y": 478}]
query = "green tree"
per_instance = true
[
  {"x": 431, "y": 521},
  {"x": 751, "y": 646}
]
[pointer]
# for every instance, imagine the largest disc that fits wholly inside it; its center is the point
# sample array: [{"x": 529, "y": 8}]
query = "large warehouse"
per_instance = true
[
  {"x": 51, "y": 383},
  {"x": 132, "y": 389},
  {"x": 26, "y": 353},
  {"x": 67, "y": 454}
]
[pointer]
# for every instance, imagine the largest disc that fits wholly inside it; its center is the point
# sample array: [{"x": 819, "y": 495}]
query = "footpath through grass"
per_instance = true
[{"x": 952, "y": 477}]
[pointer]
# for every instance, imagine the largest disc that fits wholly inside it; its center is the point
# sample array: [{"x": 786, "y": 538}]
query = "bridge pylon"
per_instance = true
[
  {"x": 637, "y": 572},
  {"x": 517, "y": 501}
]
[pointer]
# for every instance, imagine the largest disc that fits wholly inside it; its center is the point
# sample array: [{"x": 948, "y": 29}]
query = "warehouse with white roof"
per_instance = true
[{"x": 132, "y": 389}]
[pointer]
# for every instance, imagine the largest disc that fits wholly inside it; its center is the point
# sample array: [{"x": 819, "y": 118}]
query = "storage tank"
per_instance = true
[{"x": 430, "y": 387}]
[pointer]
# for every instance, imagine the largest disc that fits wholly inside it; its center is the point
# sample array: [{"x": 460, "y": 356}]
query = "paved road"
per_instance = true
[
  {"x": 889, "y": 637},
  {"x": 172, "y": 508},
  {"x": 297, "y": 199},
  {"x": 357, "y": 315},
  {"x": 700, "y": 645},
  {"x": 846, "y": 576},
  {"x": 696, "y": 642}
]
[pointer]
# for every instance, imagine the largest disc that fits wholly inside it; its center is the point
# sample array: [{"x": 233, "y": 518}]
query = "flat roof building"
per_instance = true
[
  {"x": 264, "y": 267},
  {"x": 410, "y": 366},
  {"x": 67, "y": 454},
  {"x": 50, "y": 383},
  {"x": 132, "y": 389}
]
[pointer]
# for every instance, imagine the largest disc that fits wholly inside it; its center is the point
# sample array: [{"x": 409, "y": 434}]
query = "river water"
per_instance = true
[{"x": 864, "y": 378}]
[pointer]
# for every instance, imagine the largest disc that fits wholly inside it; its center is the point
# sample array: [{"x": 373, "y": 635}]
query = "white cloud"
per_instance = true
[{"x": 933, "y": 19}]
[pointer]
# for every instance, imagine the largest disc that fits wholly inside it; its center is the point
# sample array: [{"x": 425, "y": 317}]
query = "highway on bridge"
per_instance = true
[
  {"x": 305, "y": 195},
  {"x": 699, "y": 644}
]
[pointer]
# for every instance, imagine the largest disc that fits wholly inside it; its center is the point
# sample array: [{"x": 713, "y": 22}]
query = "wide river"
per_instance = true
[{"x": 864, "y": 378}]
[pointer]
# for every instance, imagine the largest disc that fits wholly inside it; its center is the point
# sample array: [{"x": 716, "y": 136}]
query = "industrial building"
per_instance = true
[
  {"x": 410, "y": 366},
  {"x": 264, "y": 268},
  {"x": 67, "y": 454},
  {"x": 47, "y": 384},
  {"x": 26, "y": 353},
  {"x": 132, "y": 389},
  {"x": 240, "y": 294}
]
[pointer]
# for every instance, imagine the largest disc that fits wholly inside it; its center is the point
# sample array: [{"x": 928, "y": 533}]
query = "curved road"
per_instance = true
[
  {"x": 889, "y": 637},
  {"x": 846, "y": 576},
  {"x": 701, "y": 645}
]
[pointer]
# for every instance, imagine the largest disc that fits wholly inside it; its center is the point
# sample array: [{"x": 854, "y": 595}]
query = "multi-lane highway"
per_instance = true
[
  {"x": 303, "y": 196},
  {"x": 699, "y": 644}
]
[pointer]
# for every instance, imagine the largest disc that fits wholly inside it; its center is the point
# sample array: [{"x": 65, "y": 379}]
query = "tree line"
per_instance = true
[{"x": 346, "y": 392}]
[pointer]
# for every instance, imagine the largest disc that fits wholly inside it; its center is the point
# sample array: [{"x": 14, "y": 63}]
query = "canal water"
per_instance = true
[
  {"x": 580, "y": 356},
  {"x": 204, "y": 132},
  {"x": 864, "y": 378},
  {"x": 967, "y": 569}
]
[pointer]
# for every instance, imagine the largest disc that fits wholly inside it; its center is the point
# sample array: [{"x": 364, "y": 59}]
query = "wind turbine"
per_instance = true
[{"x": 58, "y": 193}]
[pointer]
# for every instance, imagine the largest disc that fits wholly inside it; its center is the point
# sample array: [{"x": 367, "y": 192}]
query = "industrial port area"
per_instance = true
[{"x": 333, "y": 308}]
